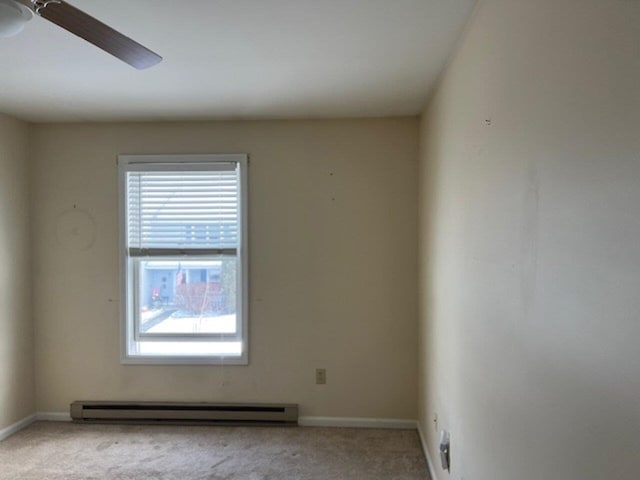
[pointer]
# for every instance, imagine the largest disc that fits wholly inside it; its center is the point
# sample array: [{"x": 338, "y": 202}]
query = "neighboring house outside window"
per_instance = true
[{"x": 183, "y": 221}]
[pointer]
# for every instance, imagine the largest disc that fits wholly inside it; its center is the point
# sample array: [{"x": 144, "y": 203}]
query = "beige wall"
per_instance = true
[
  {"x": 332, "y": 265},
  {"x": 529, "y": 240},
  {"x": 16, "y": 326}
]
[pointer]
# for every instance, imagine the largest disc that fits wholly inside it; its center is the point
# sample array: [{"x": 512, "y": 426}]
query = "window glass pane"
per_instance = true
[{"x": 187, "y": 296}]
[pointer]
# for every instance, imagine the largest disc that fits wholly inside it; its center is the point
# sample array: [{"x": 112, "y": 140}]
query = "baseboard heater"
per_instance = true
[{"x": 185, "y": 413}]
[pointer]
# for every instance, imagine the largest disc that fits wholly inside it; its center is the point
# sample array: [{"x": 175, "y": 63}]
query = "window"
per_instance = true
[{"x": 183, "y": 222}]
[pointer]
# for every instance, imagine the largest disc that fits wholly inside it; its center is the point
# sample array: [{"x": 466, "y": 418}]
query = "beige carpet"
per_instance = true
[{"x": 65, "y": 451}]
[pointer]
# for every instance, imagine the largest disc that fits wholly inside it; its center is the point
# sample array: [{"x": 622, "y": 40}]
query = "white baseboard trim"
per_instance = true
[
  {"x": 427, "y": 455},
  {"x": 357, "y": 422},
  {"x": 345, "y": 422},
  {"x": 53, "y": 417},
  {"x": 16, "y": 427}
]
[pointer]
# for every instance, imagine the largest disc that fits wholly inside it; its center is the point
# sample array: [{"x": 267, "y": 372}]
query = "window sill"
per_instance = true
[{"x": 197, "y": 360}]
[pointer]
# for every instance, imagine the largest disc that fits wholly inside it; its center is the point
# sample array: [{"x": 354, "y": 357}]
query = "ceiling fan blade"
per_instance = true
[{"x": 102, "y": 36}]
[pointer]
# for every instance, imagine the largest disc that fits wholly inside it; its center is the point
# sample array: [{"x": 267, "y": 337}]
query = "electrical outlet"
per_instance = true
[
  {"x": 321, "y": 376},
  {"x": 445, "y": 448}
]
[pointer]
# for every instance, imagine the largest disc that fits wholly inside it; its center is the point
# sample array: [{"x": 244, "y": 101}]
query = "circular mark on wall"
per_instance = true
[{"x": 76, "y": 230}]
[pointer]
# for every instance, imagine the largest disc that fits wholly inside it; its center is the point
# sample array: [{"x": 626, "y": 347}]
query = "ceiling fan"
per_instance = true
[{"x": 14, "y": 14}]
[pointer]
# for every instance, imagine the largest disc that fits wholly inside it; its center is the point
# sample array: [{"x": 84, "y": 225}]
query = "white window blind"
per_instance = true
[{"x": 196, "y": 209}]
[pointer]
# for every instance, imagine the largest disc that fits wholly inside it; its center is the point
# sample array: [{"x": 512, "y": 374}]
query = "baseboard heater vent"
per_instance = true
[{"x": 185, "y": 413}]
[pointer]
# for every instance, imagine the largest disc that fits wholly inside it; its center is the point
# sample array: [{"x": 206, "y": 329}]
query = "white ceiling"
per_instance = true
[{"x": 236, "y": 59}]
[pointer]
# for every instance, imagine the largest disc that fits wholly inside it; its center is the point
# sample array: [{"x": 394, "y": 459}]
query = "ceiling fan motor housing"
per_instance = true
[{"x": 13, "y": 17}]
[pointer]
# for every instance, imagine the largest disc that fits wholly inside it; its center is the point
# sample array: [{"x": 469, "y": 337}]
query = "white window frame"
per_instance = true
[{"x": 128, "y": 338}]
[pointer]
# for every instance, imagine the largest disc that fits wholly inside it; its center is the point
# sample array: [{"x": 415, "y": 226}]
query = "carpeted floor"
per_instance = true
[{"x": 66, "y": 451}]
